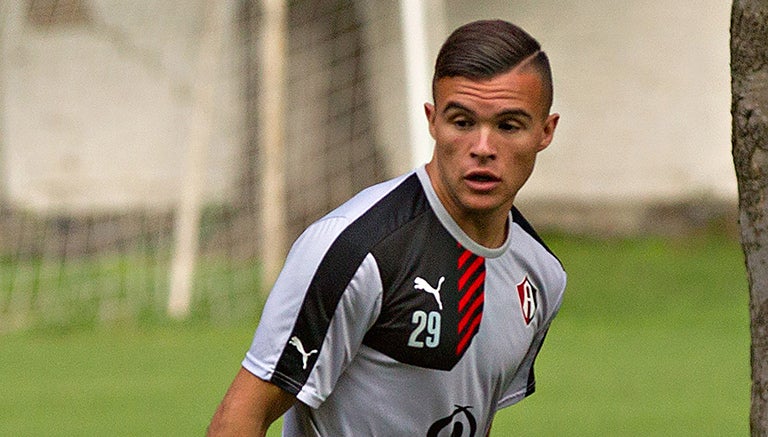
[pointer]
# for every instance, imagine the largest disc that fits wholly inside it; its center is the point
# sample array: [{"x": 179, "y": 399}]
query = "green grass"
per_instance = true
[
  {"x": 652, "y": 339},
  {"x": 162, "y": 381}
]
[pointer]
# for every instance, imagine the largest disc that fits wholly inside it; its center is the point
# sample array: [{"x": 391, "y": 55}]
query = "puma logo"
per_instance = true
[
  {"x": 422, "y": 284},
  {"x": 300, "y": 347}
]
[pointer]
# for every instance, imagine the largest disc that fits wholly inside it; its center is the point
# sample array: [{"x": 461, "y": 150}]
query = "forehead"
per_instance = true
[{"x": 511, "y": 90}]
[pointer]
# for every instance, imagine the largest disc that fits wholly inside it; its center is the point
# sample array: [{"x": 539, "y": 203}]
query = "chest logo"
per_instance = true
[
  {"x": 528, "y": 299},
  {"x": 300, "y": 347},
  {"x": 456, "y": 423},
  {"x": 422, "y": 284}
]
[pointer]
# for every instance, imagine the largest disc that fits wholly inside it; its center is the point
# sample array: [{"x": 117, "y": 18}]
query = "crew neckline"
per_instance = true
[{"x": 453, "y": 228}]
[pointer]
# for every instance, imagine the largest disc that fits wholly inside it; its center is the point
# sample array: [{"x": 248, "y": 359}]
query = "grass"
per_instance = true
[
  {"x": 652, "y": 339},
  {"x": 160, "y": 381}
]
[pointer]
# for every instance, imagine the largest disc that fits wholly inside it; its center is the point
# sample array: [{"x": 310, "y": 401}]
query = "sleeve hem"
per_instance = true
[
  {"x": 303, "y": 394},
  {"x": 516, "y": 397}
]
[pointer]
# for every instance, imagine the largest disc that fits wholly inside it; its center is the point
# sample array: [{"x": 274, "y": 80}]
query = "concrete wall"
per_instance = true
[
  {"x": 96, "y": 113},
  {"x": 643, "y": 89}
]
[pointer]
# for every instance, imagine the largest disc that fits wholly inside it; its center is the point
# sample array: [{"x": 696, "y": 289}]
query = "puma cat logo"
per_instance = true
[
  {"x": 422, "y": 284},
  {"x": 300, "y": 347}
]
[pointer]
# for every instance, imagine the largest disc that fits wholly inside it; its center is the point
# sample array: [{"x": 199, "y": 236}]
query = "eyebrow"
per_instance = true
[{"x": 502, "y": 114}]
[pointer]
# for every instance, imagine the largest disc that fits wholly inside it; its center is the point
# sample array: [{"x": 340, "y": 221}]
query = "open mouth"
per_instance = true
[
  {"x": 482, "y": 181},
  {"x": 481, "y": 177}
]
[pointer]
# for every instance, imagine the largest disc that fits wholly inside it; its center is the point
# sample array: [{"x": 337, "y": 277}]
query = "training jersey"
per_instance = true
[{"x": 388, "y": 320}]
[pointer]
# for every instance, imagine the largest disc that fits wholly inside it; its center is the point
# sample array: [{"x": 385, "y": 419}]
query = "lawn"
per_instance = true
[{"x": 653, "y": 339}]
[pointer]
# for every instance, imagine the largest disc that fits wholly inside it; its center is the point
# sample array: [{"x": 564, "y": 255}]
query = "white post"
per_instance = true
[
  {"x": 417, "y": 78},
  {"x": 5, "y": 18},
  {"x": 272, "y": 139},
  {"x": 200, "y": 133}
]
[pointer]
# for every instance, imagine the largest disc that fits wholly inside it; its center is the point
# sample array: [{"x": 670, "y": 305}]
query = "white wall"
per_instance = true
[
  {"x": 643, "y": 89},
  {"x": 96, "y": 115}
]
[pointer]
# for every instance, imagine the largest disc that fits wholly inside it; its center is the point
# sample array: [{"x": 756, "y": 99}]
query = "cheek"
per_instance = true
[
  {"x": 448, "y": 145},
  {"x": 520, "y": 163},
  {"x": 525, "y": 163},
  {"x": 526, "y": 157},
  {"x": 525, "y": 149}
]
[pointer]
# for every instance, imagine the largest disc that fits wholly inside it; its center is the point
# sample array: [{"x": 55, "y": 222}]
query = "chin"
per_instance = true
[{"x": 481, "y": 208}]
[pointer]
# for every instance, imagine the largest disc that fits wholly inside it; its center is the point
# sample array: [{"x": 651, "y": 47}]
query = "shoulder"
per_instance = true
[
  {"x": 373, "y": 214},
  {"x": 347, "y": 234},
  {"x": 540, "y": 263},
  {"x": 374, "y": 195},
  {"x": 521, "y": 222}
]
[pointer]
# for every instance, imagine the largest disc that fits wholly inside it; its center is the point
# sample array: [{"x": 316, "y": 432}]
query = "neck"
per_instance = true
[{"x": 486, "y": 230}]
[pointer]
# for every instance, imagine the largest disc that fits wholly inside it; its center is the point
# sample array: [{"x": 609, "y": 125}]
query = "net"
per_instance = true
[{"x": 87, "y": 234}]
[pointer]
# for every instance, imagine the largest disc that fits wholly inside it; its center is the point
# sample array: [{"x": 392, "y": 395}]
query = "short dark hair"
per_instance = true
[{"x": 486, "y": 48}]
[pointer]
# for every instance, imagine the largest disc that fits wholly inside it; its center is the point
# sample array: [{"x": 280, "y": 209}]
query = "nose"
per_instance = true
[{"x": 482, "y": 146}]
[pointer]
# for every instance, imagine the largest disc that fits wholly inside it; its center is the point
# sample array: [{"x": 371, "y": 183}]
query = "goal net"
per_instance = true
[{"x": 125, "y": 122}]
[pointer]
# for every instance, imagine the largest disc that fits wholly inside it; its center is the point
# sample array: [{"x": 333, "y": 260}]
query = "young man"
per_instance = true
[{"x": 419, "y": 306}]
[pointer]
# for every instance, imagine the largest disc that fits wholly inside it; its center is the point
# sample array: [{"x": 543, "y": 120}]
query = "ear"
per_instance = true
[
  {"x": 550, "y": 124},
  {"x": 429, "y": 111}
]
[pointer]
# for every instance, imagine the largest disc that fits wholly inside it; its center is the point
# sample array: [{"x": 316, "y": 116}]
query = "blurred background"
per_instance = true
[{"x": 158, "y": 158}]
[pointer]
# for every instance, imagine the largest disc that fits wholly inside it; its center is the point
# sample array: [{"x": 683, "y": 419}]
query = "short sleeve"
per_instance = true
[{"x": 336, "y": 316}]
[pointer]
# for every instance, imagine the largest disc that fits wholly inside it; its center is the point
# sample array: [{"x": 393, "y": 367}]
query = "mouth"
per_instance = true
[{"x": 482, "y": 180}]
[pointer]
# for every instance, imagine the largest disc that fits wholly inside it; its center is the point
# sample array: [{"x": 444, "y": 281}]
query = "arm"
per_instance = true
[{"x": 249, "y": 407}]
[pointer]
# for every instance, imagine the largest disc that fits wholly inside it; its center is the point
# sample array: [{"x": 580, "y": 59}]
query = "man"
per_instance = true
[{"x": 419, "y": 306}]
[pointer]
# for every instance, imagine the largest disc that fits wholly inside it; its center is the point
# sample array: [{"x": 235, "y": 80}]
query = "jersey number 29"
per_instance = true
[{"x": 425, "y": 322}]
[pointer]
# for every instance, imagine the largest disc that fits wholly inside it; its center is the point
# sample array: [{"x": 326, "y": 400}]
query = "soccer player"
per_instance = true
[{"x": 419, "y": 306}]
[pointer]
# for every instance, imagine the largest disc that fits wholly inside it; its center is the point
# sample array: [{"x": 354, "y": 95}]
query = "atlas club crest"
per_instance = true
[{"x": 528, "y": 299}]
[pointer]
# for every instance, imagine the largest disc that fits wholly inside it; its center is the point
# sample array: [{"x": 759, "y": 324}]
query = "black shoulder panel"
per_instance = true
[
  {"x": 335, "y": 271},
  {"x": 518, "y": 218}
]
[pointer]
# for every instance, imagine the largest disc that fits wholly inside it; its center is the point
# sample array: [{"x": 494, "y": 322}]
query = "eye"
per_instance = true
[
  {"x": 508, "y": 126},
  {"x": 462, "y": 123}
]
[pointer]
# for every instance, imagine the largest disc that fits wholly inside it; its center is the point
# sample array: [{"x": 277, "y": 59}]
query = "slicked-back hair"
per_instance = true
[{"x": 484, "y": 49}]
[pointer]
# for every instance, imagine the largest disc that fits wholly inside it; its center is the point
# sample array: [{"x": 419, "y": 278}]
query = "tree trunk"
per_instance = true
[{"x": 749, "y": 108}]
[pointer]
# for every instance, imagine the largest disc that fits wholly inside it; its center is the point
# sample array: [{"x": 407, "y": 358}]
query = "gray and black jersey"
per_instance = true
[{"x": 388, "y": 320}]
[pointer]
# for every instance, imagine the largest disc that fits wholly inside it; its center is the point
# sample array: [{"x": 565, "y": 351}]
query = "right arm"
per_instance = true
[{"x": 249, "y": 407}]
